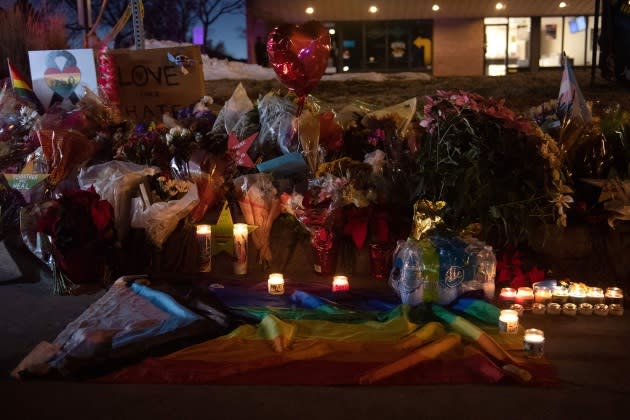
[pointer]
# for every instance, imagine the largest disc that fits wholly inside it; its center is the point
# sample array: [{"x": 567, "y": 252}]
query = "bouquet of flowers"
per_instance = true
[
  {"x": 484, "y": 162},
  {"x": 80, "y": 227},
  {"x": 259, "y": 202},
  {"x": 17, "y": 119}
]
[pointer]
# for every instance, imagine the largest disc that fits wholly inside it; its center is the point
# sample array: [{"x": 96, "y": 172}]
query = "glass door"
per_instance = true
[{"x": 496, "y": 49}]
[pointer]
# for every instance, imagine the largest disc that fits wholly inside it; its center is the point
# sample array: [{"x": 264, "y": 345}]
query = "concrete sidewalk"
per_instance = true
[{"x": 590, "y": 354}]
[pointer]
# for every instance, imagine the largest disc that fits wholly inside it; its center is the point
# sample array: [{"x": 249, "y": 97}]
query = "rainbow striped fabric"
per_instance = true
[{"x": 307, "y": 338}]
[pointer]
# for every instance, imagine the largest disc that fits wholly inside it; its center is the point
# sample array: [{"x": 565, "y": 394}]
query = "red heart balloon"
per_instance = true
[{"x": 299, "y": 55}]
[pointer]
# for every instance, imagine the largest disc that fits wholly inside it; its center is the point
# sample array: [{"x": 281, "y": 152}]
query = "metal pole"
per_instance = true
[
  {"x": 138, "y": 26},
  {"x": 595, "y": 43}
]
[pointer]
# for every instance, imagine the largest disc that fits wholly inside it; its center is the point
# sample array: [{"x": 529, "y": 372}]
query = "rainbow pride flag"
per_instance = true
[
  {"x": 22, "y": 88},
  {"x": 304, "y": 338}
]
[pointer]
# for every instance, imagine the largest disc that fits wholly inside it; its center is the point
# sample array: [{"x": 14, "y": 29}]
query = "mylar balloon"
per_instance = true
[{"x": 299, "y": 55}]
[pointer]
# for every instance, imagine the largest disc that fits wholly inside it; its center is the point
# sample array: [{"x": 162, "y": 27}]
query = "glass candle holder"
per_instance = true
[
  {"x": 525, "y": 297},
  {"x": 275, "y": 284},
  {"x": 539, "y": 308},
  {"x": 569, "y": 309},
  {"x": 381, "y": 256},
  {"x": 595, "y": 295},
  {"x": 601, "y": 309},
  {"x": 614, "y": 295},
  {"x": 508, "y": 321},
  {"x": 615, "y": 309},
  {"x": 577, "y": 293},
  {"x": 534, "y": 343},
  {"x": 585, "y": 309},
  {"x": 518, "y": 308},
  {"x": 542, "y": 295},
  {"x": 340, "y": 284},
  {"x": 507, "y": 297},
  {"x": 559, "y": 294},
  {"x": 554, "y": 308},
  {"x": 240, "y": 248},
  {"x": 204, "y": 239}
]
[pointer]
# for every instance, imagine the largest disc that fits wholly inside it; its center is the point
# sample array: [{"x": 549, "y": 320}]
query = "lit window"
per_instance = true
[
  {"x": 562, "y": 5},
  {"x": 435, "y": 7},
  {"x": 331, "y": 31},
  {"x": 373, "y": 9},
  {"x": 309, "y": 10},
  {"x": 499, "y": 6}
]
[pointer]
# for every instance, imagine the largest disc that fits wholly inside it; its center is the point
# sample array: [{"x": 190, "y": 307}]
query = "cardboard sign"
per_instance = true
[
  {"x": 59, "y": 76},
  {"x": 156, "y": 81}
]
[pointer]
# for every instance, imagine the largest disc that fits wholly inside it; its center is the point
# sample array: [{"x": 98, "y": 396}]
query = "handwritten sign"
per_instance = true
[
  {"x": 24, "y": 183},
  {"x": 155, "y": 81}
]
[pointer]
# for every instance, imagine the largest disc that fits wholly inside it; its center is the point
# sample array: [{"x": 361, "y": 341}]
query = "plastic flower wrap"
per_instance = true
[
  {"x": 207, "y": 171},
  {"x": 276, "y": 123},
  {"x": 17, "y": 118},
  {"x": 160, "y": 218},
  {"x": 80, "y": 228},
  {"x": 116, "y": 182},
  {"x": 10, "y": 203},
  {"x": 260, "y": 204}
]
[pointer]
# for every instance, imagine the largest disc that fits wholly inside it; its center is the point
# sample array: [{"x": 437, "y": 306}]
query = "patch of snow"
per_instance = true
[{"x": 220, "y": 69}]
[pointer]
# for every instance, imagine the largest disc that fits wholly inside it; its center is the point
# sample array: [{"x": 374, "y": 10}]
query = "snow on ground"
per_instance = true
[{"x": 218, "y": 69}]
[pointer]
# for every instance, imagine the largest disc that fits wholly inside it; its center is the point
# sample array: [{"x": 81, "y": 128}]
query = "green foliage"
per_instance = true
[{"x": 486, "y": 164}]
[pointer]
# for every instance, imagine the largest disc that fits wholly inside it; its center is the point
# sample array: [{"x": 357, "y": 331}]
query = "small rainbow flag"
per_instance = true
[{"x": 22, "y": 88}]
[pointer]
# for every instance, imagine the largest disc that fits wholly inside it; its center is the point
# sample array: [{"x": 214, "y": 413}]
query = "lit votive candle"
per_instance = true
[
  {"x": 559, "y": 294},
  {"x": 542, "y": 295},
  {"x": 525, "y": 297},
  {"x": 240, "y": 248},
  {"x": 600, "y": 309},
  {"x": 534, "y": 343},
  {"x": 340, "y": 284},
  {"x": 539, "y": 308},
  {"x": 585, "y": 309},
  {"x": 518, "y": 308},
  {"x": 507, "y": 297},
  {"x": 554, "y": 308},
  {"x": 508, "y": 321},
  {"x": 614, "y": 295},
  {"x": 577, "y": 294},
  {"x": 204, "y": 239},
  {"x": 569, "y": 309},
  {"x": 275, "y": 284},
  {"x": 595, "y": 295},
  {"x": 615, "y": 309}
]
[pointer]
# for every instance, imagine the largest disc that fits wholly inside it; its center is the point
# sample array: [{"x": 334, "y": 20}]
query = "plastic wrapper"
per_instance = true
[
  {"x": 65, "y": 150},
  {"x": 207, "y": 172},
  {"x": 160, "y": 219},
  {"x": 116, "y": 182},
  {"x": 277, "y": 114},
  {"x": 17, "y": 118},
  {"x": 259, "y": 202},
  {"x": 238, "y": 105},
  {"x": 308, "y": 133}
]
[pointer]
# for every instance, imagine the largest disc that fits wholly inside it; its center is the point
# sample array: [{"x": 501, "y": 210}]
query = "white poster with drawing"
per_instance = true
[{"x": 59, "y": 76}]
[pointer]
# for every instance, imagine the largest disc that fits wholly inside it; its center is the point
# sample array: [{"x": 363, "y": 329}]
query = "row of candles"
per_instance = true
[
  {"x": 575, "y": 294},
  {"x": 275, "y": 281},
  {"x": 555, "y": 300},
  {"x": 204, "y": 239},
  {"x": 275, "y": 284}
]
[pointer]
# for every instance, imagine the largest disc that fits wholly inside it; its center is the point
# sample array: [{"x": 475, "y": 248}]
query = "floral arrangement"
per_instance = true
[
  {"x": 362, "y": 170},
  {"x": 81, "y": 230},
  {"x": 485, "y": 163}
]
